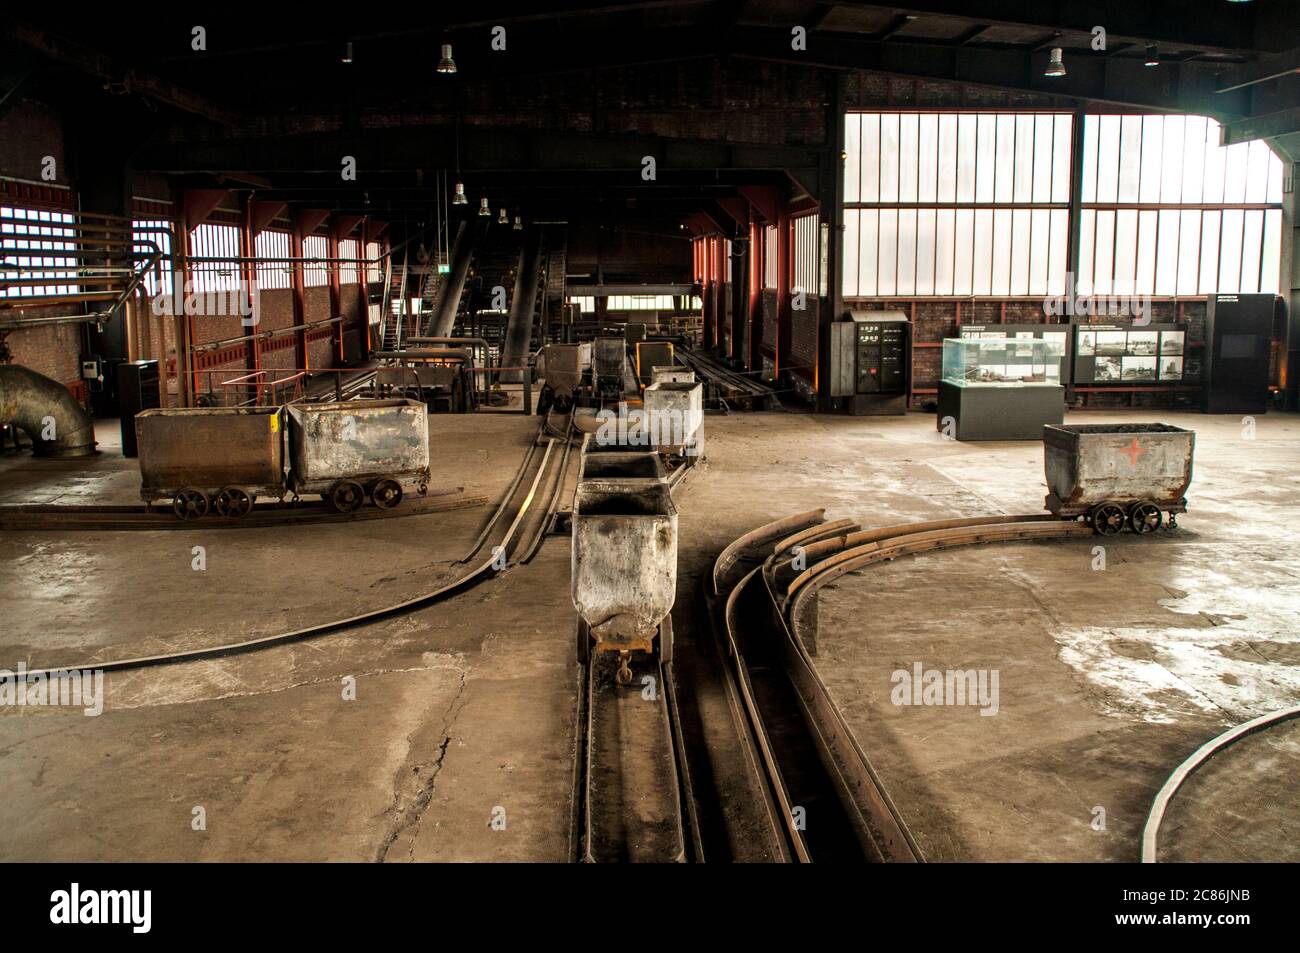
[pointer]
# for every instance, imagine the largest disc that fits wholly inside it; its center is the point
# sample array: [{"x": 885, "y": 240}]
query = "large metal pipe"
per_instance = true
[
  {"x": 43, "y": 408},
  {"x": 519, "y": 327},
  {"x": 462, "y": 253}
]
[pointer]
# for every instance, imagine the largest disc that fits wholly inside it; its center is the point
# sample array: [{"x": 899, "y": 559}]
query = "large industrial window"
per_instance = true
[
  {"x": 315, "y": 274},
  {"x": 24, "y": 230},
  {"x": 1168, "y": 211},
  {"x": 158, "y": 280},
  {"x": 219, "y": 244},
  {"x": 640, "y": 302},
  {"x": 956, "y": 203},
  {"x": 807, "y": 254},
  {"x": 373, "y": 272},
  {"x": 273, "y": 275},
  {"x": 349, "y": 273},
  {"x": 978, "y": 204}
]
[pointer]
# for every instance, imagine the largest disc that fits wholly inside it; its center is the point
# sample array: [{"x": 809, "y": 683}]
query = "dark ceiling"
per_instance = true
[{"x": 560, "y": 120}]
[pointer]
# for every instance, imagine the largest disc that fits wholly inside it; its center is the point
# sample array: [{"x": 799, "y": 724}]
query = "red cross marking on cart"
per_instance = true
[{"x": 1132, "y": 451}]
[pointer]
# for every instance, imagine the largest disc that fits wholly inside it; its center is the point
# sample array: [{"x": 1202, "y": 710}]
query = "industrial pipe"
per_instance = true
[{"x": 43, "y": 408}]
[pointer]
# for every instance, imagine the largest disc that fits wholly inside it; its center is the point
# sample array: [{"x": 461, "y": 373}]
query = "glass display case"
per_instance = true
[{"x": 1002, "y": 361}]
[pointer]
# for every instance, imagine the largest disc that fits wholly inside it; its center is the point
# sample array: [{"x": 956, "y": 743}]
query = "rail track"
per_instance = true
[
  {"x": 733, "y": 387},
  {"x": 38, "y": 517},
  {"x": 519, "y": 499},
  {"x": 825, "y": 800},
  {"x": 632, "y": 796}
]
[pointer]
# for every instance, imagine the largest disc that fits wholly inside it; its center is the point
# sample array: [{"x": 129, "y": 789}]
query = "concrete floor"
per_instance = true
[{"x": 464, "y": 711}]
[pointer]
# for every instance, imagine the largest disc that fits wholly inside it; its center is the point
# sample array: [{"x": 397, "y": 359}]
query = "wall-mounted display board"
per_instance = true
[
  {"x": 1052, "y": 333},
  {"x": 1118, "y": 354}
]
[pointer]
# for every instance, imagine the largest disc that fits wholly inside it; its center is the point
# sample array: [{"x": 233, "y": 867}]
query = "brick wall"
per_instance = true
[
  {"x": 803, "y": 338},
  {"x": 768, "y": 308}
]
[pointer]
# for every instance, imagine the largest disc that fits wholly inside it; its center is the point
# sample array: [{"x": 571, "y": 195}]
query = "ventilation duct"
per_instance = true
[{"x": 43, "y": 407}]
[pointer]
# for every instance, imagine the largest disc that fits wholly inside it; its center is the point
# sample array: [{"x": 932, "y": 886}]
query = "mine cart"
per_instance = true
[
  {"x": 350, "y": 450},
  {"x": 624, "y": 568},
  {"x": 217, "y": 459},
  {"x": 675, "y": 412},
  {"x": 1118, "y": 475}
]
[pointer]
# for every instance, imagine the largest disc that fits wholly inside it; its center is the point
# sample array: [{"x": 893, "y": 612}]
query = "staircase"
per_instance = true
[{"x": 549, "y": 327}]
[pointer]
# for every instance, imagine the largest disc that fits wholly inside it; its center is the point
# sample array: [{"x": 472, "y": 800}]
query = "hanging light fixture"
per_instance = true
[
  {"x": 1153, "y": 55},
  {"x": 502, "y": 218},
  {"x": 446, "y": 64},
  {"x": 483, "y": 209},
  {"x": 1055, "y": 65},
  {"x": 519, "y": 223},
  {"x": 347, "y": 55},
  {"x": 459, "y": 197}
]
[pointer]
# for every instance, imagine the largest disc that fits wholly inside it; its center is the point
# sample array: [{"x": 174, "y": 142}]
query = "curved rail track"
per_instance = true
[
  {"x": 496, "y": 561},
  {"x": 825, "y": 799},
  {"x": 1151, "y": 830}
]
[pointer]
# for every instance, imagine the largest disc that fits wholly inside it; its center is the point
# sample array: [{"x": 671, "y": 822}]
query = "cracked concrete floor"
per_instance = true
[
  {"x": 463, "y": 712},
  {"x": 460, "y": 710}
]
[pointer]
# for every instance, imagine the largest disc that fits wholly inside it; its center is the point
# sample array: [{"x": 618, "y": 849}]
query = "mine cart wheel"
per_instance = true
[
  {"x": 233, "y": 502},
  {"x": 1144, "y": 517},
  {"x": 624, "y": 674},
  {"x": 190, "y": 503},
  {"x": 584, "y": 641},
  {"x": 1108, "y": 519},
  {"x": 423, "y": 488},
  {"x": 666, "y": 640},
  {"x": 386, "y": 494},
  {"x": 346, "y": 496}
]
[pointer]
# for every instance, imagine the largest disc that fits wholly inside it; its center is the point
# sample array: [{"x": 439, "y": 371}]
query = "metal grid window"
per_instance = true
[
  {"x": 273, "y": 275},
  {"x": 586, "y": 304},
  {"x": 769, "y": 256},
  {"x": 1168, "y": 211},
  {"x": 220, "y": 243},
  {"x": 36, "y": 230},
  {"x": 349, "y": 269},
  {"x": 956, "y": 203},
  {"x": 315, "y": 274},
  {"x": 807, "y": 254},
  {"x": 373, "y": 272},
  {"x": 640, "y": 302},
  {"x": 157, "y": 280}
]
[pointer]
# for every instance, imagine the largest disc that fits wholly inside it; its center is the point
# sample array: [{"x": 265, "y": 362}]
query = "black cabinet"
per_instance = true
[
  {"x": 137, "y": 390},
  {"x": 1238, "y": 329}
]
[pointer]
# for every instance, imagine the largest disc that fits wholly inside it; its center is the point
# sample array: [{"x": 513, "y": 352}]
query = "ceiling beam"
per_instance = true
[
  {"x": 1211, "y": 26},
  {"x": 87, "y": 60},
  {"x": 1273, "y": 66},
  {"x": 1091, "y": 77}
]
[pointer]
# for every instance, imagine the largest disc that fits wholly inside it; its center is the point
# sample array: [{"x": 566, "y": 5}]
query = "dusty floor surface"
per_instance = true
[{"x": 463, "y": 712}]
